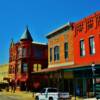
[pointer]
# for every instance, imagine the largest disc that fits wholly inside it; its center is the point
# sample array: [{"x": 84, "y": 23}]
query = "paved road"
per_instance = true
[
  {"x": 6, "y": 97},
  {"x": 15, "y": 96}
]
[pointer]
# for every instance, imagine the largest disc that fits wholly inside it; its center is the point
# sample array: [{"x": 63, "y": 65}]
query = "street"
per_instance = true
[{"x": 16, "y": 96}]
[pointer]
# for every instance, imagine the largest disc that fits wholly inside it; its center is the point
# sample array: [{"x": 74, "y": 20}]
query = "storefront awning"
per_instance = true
[{"x": 68, "y": 68}]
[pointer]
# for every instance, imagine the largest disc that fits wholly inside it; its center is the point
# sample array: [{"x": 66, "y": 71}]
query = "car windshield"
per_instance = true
[
  {"x": 43, "y": 91},
  {"x": 52, "y": 90}
]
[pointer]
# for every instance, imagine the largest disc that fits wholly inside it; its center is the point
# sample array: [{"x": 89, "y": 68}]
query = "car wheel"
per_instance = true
[
  {"x": 50, "y": 98},
  {"x": 36, "y": 98}
]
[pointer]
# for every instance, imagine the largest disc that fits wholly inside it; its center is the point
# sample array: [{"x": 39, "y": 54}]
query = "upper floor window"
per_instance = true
[
  {"x": 50, "y": 54},
  {"x": 37, "y": 67},
  {"x": 19, "y": 52},
  {"x": 37, "y": 52},
  {"x": 82, "y": 48},
  {"x": 92, "y": 45},
  {"x": 25, "y": 67},
  {"x": 56, "y": 53},
  {"x": 19, "y": 67},
  {"x": 24, "y": 52},
  {"x": 66, "y": 50}
]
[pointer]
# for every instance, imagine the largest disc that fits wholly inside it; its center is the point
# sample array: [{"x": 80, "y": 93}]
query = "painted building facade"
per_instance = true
[
  {"x": 60, "y": 47},
  {"x": 73, "y": 57},
  {"x": 87, "y": 39},
  {"x": 26, "y": 57},
  {"x": 61, "y": 55},
  {"x": 86, "y": 53},
  {"x": 4, "y": 73}
]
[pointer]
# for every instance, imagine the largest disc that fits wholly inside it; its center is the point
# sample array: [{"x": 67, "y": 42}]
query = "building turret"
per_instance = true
[
  {"x": 12, "y": 43},
  {"x": 26, "y": 35}
]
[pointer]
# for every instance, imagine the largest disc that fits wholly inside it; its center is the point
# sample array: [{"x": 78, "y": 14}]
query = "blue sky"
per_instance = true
[{"x": 42, "y": 16}]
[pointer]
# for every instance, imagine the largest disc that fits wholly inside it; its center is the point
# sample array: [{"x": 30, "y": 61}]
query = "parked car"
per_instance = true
[{"x": 51, "y": 94}]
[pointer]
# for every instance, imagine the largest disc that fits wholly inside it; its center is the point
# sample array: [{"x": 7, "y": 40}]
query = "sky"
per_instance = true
[{"x": 41, "y": 16}]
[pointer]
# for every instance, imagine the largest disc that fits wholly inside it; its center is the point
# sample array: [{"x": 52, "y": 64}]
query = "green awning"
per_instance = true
[{"x": 80, "y": 68}]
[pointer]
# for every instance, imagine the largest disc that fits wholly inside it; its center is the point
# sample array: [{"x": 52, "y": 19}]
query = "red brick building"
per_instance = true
[
  {"x": 87, "y": 39},
  {"x": 74, "y": 58},
  {"x": 87, "y": 54},
  {"x": 26, "y": 57}
]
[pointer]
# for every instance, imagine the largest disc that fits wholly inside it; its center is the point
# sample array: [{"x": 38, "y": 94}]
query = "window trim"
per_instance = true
[
  {"x": 57, "y": 55},
  {"x": 82, "y": 51},
  {"x": 66, "y": 50},
  {"x": 91, "y": 52}
]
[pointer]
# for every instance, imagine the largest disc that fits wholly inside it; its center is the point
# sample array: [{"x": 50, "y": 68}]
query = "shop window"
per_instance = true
[
  {"x": 82, "y": 48},
  {"x": 56, "y": 53},
  {"x": 92, "y": 45},
  {"x": 66, "y": 50}
]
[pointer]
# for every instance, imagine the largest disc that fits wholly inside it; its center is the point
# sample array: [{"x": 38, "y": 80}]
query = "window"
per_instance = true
[
  {"x": 56, "y": 53},
  {"x": 38, "y": 53},
  {"x": 35, "y": 67},
  {"x": 19, "y": 68},
  {"x": 50, "y": 54},
  {"x": 52, "y": 90},
  {"x": 66, "y": 50},
  {"x": 19, "y": 52},
  {"x": 39, "y": 67},
  {"x": 82, "y": 48},
  {"x": 25, "y": 67},
  {"x": 24, "y": 52},
  {"x": 92, "y": 45}
]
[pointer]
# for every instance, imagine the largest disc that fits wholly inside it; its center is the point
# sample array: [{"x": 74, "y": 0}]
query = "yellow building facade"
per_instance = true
[{"x": 3, "y": 72}]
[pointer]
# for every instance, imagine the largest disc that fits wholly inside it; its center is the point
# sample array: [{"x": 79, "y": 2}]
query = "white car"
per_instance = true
[{"x": 51, "y": 94}]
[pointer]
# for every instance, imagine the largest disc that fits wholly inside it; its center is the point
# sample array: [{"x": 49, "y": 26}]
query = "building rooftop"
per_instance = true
[
  {"x": 39, "y": 43},
  {"x": 26, "y": 35},
  {"x": 58, "y": 29}
]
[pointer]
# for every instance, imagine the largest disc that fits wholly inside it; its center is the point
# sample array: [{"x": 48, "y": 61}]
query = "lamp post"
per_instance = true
[{"x": 93, "y": 78}]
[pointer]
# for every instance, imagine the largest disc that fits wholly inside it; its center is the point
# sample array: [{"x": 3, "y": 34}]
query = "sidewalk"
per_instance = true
[{"x": 77, "y": 98}]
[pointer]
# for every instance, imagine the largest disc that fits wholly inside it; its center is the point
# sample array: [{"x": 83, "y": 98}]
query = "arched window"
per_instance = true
[{"x": 56, "y": 53}]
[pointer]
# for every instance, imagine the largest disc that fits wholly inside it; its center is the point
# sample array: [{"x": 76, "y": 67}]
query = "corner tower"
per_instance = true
[{"x": 26, "y": 36}]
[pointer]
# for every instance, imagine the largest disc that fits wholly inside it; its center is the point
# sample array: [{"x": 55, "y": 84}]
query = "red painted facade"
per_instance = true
[
  {"x": 26, "y": 57},
  {"x": 83, "y": 30}
]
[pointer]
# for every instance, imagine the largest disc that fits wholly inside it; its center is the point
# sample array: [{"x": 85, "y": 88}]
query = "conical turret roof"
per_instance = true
[
  {"x": 26, "y": 35},
  {"x": 12, "y": 43}
]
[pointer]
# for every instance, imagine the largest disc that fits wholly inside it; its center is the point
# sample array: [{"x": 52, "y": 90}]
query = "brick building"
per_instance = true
[
  {"x": 60, "y": 56},
  {"x": 26, "y": 57},
  {"x": 60, "y": 47},
  {"x": 87, "y": 53},
  {"x": 73, "y": 57}
]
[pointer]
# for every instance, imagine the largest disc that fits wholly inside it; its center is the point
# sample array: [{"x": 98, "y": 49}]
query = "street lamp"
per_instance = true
[{"x": 93, "y": 78}]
